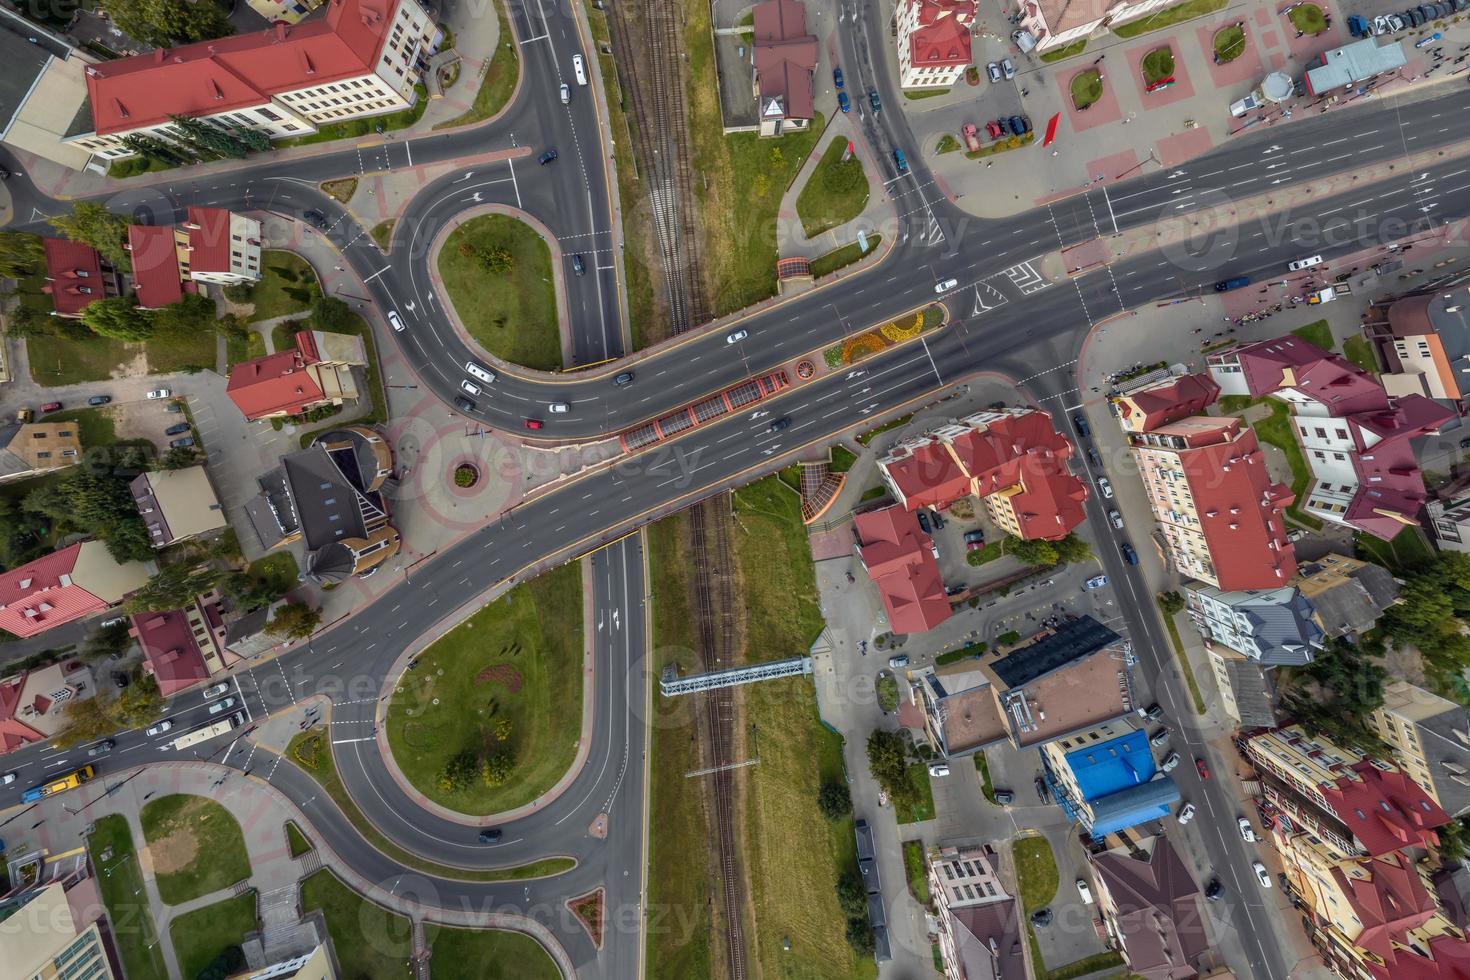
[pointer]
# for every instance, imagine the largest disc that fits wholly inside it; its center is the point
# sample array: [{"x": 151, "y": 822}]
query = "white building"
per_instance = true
[{"x": 933, "y": 42}]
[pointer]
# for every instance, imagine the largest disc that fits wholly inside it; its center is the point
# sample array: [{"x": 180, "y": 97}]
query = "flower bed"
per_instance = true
[
  {"x": 466, "y": 476},
  {"x": 875, "y": 341}
]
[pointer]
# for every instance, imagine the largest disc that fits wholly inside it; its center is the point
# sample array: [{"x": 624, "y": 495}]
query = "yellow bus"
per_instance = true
[{"x": 59, "y": 785}]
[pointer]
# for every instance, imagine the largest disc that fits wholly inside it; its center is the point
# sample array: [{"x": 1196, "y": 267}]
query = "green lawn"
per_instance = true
[
  {"x": 1182, "y": 658},
  {"x": 297, "y": 841},
  {"x": 835, "y": 193},
  {"x": 1360, "y": 352},
  {"x": 518, "y": 660},
  {"x": 312, "y": 745},
  {"x": 955, "y": 656},
  {"x": 1308, "y": 18},
  {"x": 1036, "y": 872},
  {"x": 61, "y": 361},
  {"x": 196, "y": 847},
  {"x": 928, "y": 93},
  {"x": 982, "y": 766},
  {"x": 1318, "y": 334},
  {"x": 499, "y": 81},
  {"x": 1277, "y": 430},
  {"x": 915, "y": 871},
  {"x": 948, "y": 143},
  {"x": 1087, "y": 88},
  {"x": 358, "y": 128},
  {"x": 201, "y": 935},
  {"x": 340, "y": 190},
  {"x": 371, "y": 943},
  {"x": 924, "y": 808},
  {"x": 120, "y": 879},
  {"x": 1066, "y": 51},
  {"x": 279, "y": 272},
  {"x": 279, "y": 569},
  {"x": 839, "y": 258},
  {"x": 841, "y": 459},
  {"x": 1229, "y": 43},
  {"x": 511, "y": 313},
  {"x": 283, "y": 335},
  {"x": 247, "y": 348},
  {"x": 1158, "y": 65},
  {"x": 487, "y": 954},
  {"x": 887, "y": 691},
  {"x": 1168, "y": 17},
  {"x": 182, "y": 350},
  {"x": 867, "y": 438},
  {"x": 1407, "y": 549},
  {"x": 94, "y": 426},
  {"x": 383, "y": 233}
]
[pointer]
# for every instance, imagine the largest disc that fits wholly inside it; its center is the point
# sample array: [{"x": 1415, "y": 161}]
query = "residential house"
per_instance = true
[
  {"x": 1424, "y": 345},
  {"x": 1054, "y": 24},
  {"x": 317, "y": 371},
  {"x": 31, "y": 448},
  {"x": 57, "y": 929},
  {"x": 1347, "y": 595},
  {"x": 177, "y": 505},
  {"x": 899, "y": 557},
  {"x": 1354, "y": 436},
  {"x": 1219, "y": 513},
  {"x": 1245, "y": 688},
  {"x": 1162, "y": 401},
  {"x": 785, "y": 63},
  {"x": 1150, "y": 905},
  {"x": 1105, "y": 778},
  {"x": 1430, "y": 738},
  {"x": 1012, "y": 458},
  {"x": 44, "y": 100},
  {"x": 183, "y": 647},
  {"x": 78, "y": 581},
  {"x": 332, "y": 496},
  {"x": 33, "y": 702},
  {"x": 223, "y": 247},
  {"x": 980, "y": 931},
  {"x": 160, "y": 272},
  {"x": 1270, "y": 626},
  {"x": 933, "y": 42},
  {"x": 364, "y": 58},
  {"x": 76, "y": 273}
]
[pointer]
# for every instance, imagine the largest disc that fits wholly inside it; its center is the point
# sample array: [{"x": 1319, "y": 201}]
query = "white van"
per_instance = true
[
  {"x": 579, "y": 69},
  {"x": 219, "y": 706},
  {"x": 483, "y": 373}
]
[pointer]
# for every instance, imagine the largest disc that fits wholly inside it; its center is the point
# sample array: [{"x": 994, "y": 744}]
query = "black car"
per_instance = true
[
  {"x": 1003, "y": 796},
  {"x": 1083, "y": 429},
  {"x": 183, "y": 443},
  {"x": 779, "y": 424},
  {"x": 546, "y": 157},
  {"x": 174, "y": 430},
  {"x": 624, "y": 379},
  {"x": 120, "y": 679},
  {"x": 490, "y": 836},
  {"x": 1092, "y": 457},
  {"x": 99, "y": 399},
  {"x": 464, "y": 404},
  {"x": 1041, "y": 918},
  {"x": 938, "y": 521},
  {"x": 315, "y": 218},
  {"x": 101, "y": 748},
  {"x": 1214, "y": 890},
  {"x": 924, "y": 521},
  {"x": 1129, "y": 555},
  {"x": 577, "y": 265},
  {"x": 1153, "y": 712}
]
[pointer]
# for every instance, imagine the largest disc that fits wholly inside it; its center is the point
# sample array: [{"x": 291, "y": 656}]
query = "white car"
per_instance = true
[
  {"x": 1306, "y": 263},
  {"x": 898, "y": 662},
  {"x": 1096, "y": 582},
  {"x": 558, "y": 408},
  {"x": 946, "y": 286},
  {"x": 470, "y": 387},
  {"x": 221, "y": 705},
  {"x": 396, "y": 322},
  {"x": 1186, "y": 813},
  {"x": 1170, "y": 763},
  {"x": 1084, "y": 891},
  {"x": 566, "y": 94},
  {"x": 216, "y": 690},
  {"x": 1261, "y": 874},
  {"x": 1380, "y": 25},
  {"x": 160, "y": 728},
  {"x": 939, "y": 769},
  {"x": 157, "y": 393},
  {"x": 737, "y": 336},
  {"x": 1116, "y": 519},
  {"x": 993, "y": 70},
  {"x": 1104, "y": 487},
  {"x": 1246, "y": 833},
  {"x": 7, "y": 779},
  {"x": 579, "y": 69}
]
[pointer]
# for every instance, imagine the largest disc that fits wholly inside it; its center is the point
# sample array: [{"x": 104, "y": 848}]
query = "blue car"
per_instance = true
[
  {"x": 837, "y": 77},
  {"x": 901, "y": 161},
  {"x": 843, "y": 102}
]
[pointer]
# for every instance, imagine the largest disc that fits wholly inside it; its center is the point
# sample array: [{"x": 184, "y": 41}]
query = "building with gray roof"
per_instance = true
[{"x": 1271, "y": 626}]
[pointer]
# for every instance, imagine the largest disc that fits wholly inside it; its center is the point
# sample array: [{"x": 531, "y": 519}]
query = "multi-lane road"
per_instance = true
[{"x": 1005, "y": 317}]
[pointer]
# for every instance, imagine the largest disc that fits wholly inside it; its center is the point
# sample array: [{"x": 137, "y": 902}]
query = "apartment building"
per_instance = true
[
  {"x": 1424, "y": 345},
  {"x": 1150, "y": 905},
  {"x": 43, "y": 100},
  {"x": 1219, "y": 514},
  {"x": 1270, "y": 626},
  {"x": 1011, "y": 458},
  {"x": 183, "y": 647},
  {"x": 1430, "y": 738},
  {"x": 364, "y": 58},
  {"x": 177, "y": 505},
  {"x": 933, "y": 42},
  {"x": 785, "y": 56},
  {"x": 33, "y": 702},
  {"x": 1354, "y": 436},
  {"x": 980, "y": 932},
  {"x": 223, "y": 247},
  {"x": 56, "y": 930},
  {"x": 1155, "y": 402},
  {"x": 1056, "y": 23},
  {"x": 1347, "y": 595},
  {"x": 32, "y": 448},
  {"x": 898, "y": 556}
]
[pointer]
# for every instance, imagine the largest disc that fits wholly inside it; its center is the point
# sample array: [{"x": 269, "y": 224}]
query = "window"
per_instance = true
[{"x": 273, "y": 117}]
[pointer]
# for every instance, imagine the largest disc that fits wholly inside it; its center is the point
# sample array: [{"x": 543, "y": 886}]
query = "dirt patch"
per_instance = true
[
  {"x": 503, "y": 674},
  {"x": 176, "y": 852}
]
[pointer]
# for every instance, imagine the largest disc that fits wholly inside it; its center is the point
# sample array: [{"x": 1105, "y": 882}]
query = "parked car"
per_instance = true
[
  {"x": 1214, "y": 890},
  {"x": 1201, "y": 767},
  {"x": 24, "y": 415},
  {"x": 1083, "y": 429},
  {"x": 184, "y": 442},
  {"x": 737, "y": 336},
  {"x": 1153, "y": 712},
  {"x": 1105, "y": 488},
  {"x": 99, "y": 399},
  {"x": 175, "y": 430},
  {"x": 624, "y": 379},
  {"x": 995, "y": 129},
  {"x": 1020, "y": 125},
  {"x": 1129, "y": 555},
  {"x": 1007, "y": 68},
  {"x": 976, "y": 535},
  {"x": 51, "y": 407},
  {"x": 546, "y": 157},
  {"x": 1186, "y": 813},
  {"x": 120, "y": 679},
  {"x": 1170, "y": 763},
  {"x": 837, "y": 78},
  {"x": 971, "y": 136},
  {"x": 160, "y": 728},
  {"x": 843, "y": 102},
  {"x": 993, "y": 70},
  {"x": 1247, "y": 833},
  {"x": 158, "y": 393},
  {"x": 939, "y": 769},
  {"x": 1115, "y": 519},
  {"x": 1041, "y": 918},
  {"x": 1159, "y": 737},
  {"x": 924, "y": 524},
  {"x": 1084, "y": 891},
  {"x": 1093, "y": 457},
  {"x": 1380, "y": 24},
  {"x": 1096, "y": 582},
  {"x": 490, "y": 835},
  {"x": 1261, "y": 874},
  {"x": 898, "y": 662},
  {"x": 1003, "y": 796},
  {"x": 937, "y": 518}
]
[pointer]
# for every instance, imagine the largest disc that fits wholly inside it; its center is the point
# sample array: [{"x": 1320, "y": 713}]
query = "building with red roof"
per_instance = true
[
  {"x": 1355, "y": 437},
  {"x": 899, "y": 558},
  {"x": 76, "y": 276},
  {"x": 933, "y": 42},
  {"x": 1164, "y": 401},
  {"x": 75, "y": 582},
  {"x": 785, "y": 60},
  {"x": 223, "y": 247},
  {"x": 33, "y": 702},
  {"x": 317, "y": 371},
  {"x": 182, "y": 647},
  {"x": 1012, "y": 458},
  {"x": 363, "y": 58},
  {"x": 159, "y": 278},
  {"x": 1219, "y": 512}
]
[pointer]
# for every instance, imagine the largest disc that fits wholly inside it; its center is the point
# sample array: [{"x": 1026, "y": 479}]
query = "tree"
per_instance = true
[
  {"x": 27, "y": 321},
  {"x": 172, "y": 587},
  {"x": 1454, "y": 840},
  {"x": 834, "y": 800},
  {"x": 191, "y": 315},
  {"x": 231, "y": 327},
  {"x": 87, "y": 719},
  {"x": 20, "y": 254},
  {"x": 860, "y": 935},
  {"x": 1171, "y": 602},
  {"x": 330, "y": 314},
  {"x": 240, "y": 292},
  {"x": 179, "y": 457},
  {"x": 888, "y": 761},
  {"x": 1072, "y": 549},
  {"x": 100, "y": 505},
  {"x": 497, "y": 769},
  {"x": 212, "y": 138},
  {"x": 253, "y": 139},
  {"x": 247, "y": 592},
  {"x": 118, "y": 317},
  {"x": 107, "y": 641},
  {"x": 164, "y": 23},
  {"x": 98, "y": 227},
  {"x": 852, "y": 894},
  {"x": 295, "y": 621},
  {"x": 459, "y": 771},
  {"x": 1033, "y": 552},
  {"x": 1334, "y": 695},
  {"x": 139, "y": 704},
  {"x": 1435, "y": 596}
]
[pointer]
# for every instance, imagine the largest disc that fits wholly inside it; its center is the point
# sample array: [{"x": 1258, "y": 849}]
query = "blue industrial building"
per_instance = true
[{"x": 1108, "y": 783}]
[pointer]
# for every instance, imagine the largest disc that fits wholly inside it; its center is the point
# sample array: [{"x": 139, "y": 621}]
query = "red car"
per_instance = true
[
  {"x": 1201, "y": 768},
  {"x": 974, "y": 545},
  {"x": 534, "y": 423},
  {"x": 994, "y": 129},
  {"x": 51, "y": 407}
]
